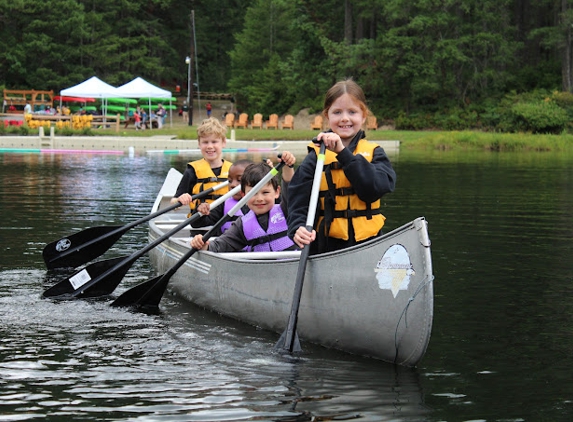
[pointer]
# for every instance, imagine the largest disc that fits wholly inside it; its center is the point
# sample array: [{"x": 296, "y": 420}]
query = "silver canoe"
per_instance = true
[{"x": 375, "y": 299}]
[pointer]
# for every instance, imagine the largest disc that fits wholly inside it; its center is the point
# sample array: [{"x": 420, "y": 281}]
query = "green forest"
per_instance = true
[{"x": 504, "y": 65}]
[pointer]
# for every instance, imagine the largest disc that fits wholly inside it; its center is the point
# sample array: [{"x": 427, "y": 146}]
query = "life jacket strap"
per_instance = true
[
  {"x": 368, "y": 213},
  {"x": 268, "y": 238}
]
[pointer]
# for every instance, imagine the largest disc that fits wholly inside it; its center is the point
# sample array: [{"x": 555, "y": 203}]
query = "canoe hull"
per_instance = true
[{"x": 374, "y": 299}]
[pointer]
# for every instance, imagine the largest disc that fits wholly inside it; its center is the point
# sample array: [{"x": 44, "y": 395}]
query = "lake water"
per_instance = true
[{"x": 502, "y": 340}]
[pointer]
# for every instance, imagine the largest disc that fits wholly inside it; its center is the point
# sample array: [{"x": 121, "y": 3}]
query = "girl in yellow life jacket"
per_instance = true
[
  {"x": 357, "y": 173},
  {"x": 210, "y": 170}
]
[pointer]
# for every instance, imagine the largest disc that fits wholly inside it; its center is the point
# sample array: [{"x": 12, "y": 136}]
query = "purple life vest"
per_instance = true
[
  {"x": 274, "y": 239},
  {"x": 227, "y": 206}
]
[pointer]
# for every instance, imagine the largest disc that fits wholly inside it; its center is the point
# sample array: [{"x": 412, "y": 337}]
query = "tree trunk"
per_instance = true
[
  {"x": 566, "y": 71},
  {"x": 347, "y": 22}
]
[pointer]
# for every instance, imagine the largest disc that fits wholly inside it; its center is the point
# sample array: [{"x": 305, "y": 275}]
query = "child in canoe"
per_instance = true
[
  {"x": 210, "y": 170},
  {"x": 356, "y": 174},
  {"x": 264, "y": 227},
  {"x": 211, "y": 216}
]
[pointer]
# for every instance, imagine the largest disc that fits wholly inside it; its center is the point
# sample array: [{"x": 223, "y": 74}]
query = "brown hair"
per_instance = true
[
  {"x": 212, "y": 126},
  {"x": 254, "y": 173},
  {"x": 348, "y": 86}
]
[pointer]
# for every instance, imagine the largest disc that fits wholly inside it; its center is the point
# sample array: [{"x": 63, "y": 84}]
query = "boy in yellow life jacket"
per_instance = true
[
  {"x": 210, "y": 170},
  {"x": 356, "y": 174}
]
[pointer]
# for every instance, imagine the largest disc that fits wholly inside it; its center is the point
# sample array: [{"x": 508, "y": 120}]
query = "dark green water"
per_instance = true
[{"x": 502, "y": 242}]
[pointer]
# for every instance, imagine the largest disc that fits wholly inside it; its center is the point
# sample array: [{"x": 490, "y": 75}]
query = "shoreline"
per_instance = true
[{"x": 160, "y": 144}]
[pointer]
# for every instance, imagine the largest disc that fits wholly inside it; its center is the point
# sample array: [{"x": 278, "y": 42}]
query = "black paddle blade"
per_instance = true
[
  {"x": 283, "y": 347},
  {"x": 72, "y": 286},
  {"x": 81, "y": 247},
  {"x": 146, "y": 295}
]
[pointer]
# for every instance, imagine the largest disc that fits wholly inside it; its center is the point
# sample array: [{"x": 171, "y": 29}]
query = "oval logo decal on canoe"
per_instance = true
[
  {"x": 393, "y": 271},
  {"x": 63, "y": 245}
]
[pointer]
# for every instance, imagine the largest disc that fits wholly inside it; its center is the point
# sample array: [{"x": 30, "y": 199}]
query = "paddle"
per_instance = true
[
  {"x": 82, "y": 247},
  {"x": 147, "y": 295},
  {"x": 289, "y": 339},
  {"x": 101, "y": 278}
]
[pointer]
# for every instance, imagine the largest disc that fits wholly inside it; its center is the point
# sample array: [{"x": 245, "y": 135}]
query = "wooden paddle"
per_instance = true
[
  {"x": 289, "y": 339},
  {"x": 101, "y": 278},
  {"x": 88, "y": 244},
  {"x": 147, "y": 295}
]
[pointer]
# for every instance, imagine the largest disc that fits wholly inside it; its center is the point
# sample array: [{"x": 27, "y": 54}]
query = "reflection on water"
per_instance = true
[
  {"x": 83, "y": 360},
  {"x": 501, "y": 341},
  {"x": 78, "y": 360}
]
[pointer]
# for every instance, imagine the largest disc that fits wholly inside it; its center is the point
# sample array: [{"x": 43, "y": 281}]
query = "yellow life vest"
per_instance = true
[
  {"x": 207, "y": 179},
  {"x": 366, "y": 219}
]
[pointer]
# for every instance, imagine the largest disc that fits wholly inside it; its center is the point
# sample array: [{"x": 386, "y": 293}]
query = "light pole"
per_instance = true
[
  {"x": 189, "y": 90},
  {"x": 189, "y": 61}
]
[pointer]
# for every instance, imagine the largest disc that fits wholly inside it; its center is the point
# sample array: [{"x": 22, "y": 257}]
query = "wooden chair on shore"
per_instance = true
[
  {"x": 257, "y": 121},
  {"x": 288, "y": 122},
  {"x": 230, "y": 120},
  {"x": 371, "y": 123},
  {"x": 243, "y": 121},
  {"x": 273, "y": 121},
  {"x": 317, "y": 123}
]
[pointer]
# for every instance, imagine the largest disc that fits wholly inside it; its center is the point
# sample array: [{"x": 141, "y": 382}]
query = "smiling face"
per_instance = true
[
  {"x": 346, "y": 117},
  {"x": 211, "y": 146},
  {"x": 264, "y": 199}
]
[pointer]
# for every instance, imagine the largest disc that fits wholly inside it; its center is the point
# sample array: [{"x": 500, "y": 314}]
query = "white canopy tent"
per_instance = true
[
  {"x": 140, "y": 88},
  {"x": 91, "y": 88}
]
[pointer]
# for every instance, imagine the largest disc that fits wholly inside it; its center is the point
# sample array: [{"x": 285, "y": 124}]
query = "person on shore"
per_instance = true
[
  {"x": 209, "y": 108},
  {"x": 161, "y": 113},
  {"x": 357, "y": 173},
  {"x": 185, "y": 110},
  {"x": 210, "y": 170},
  {"x": 137, "y": 118},
  {"x": 27, "y": 108},
  {"x": 144, "y": 118},
  {"x": 263, "y": 228}
]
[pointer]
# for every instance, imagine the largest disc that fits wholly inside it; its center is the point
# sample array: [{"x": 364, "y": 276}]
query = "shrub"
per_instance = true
[
  {"x": 413, "y": 121},
  {"x": 65, "y": 131},
  {"x": 539, "y": 117}
]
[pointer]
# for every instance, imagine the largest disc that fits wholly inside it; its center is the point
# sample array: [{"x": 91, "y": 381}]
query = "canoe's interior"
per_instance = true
[{"x": 168, "y": 221}]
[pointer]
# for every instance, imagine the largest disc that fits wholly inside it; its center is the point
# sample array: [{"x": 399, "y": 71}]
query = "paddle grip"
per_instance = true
[
  {"x": 312, "y": 205},
  {"x": 206, "y": 192}
]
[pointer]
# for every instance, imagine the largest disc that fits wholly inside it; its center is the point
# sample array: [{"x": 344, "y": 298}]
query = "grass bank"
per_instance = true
[{"x": 409, "y": 140}]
